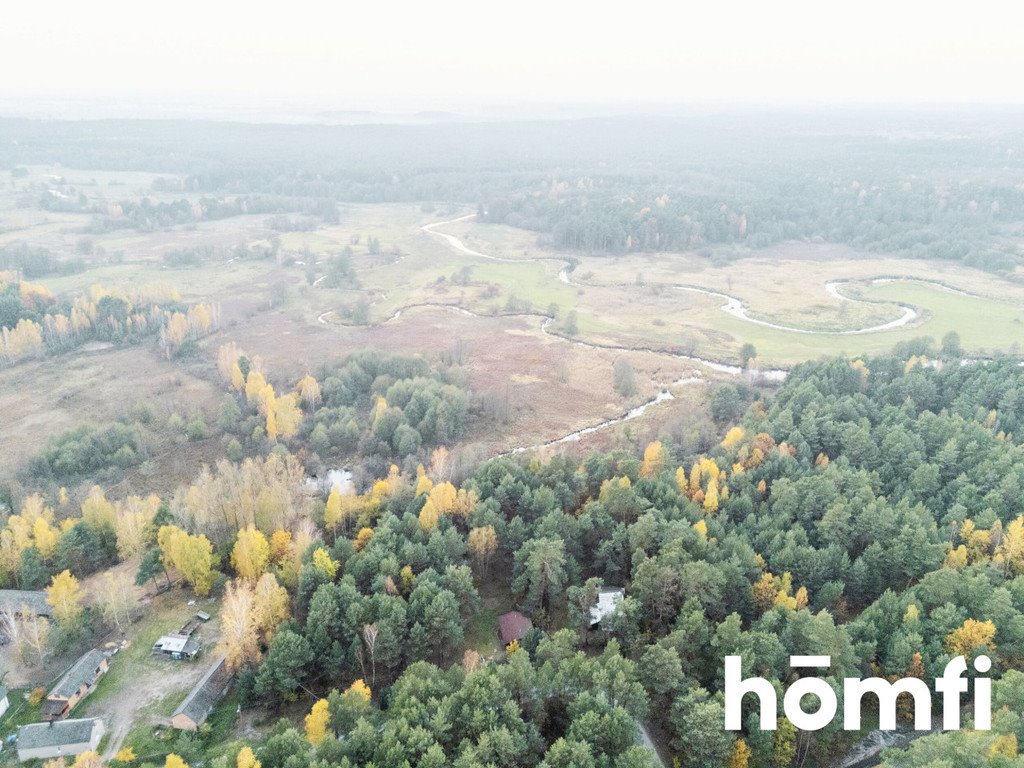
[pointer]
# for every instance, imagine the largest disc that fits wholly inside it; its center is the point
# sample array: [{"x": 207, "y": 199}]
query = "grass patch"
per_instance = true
[
  {"x": 482, "y": 628},
  {"x": 482, "y": 631},
  {"x": 19, "y": 713}
]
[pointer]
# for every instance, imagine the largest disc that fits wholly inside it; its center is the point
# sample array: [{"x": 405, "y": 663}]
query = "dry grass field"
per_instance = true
[{"x": 424, "y": 295}]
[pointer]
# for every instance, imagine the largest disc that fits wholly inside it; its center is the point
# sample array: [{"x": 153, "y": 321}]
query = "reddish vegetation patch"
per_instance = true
[{"x": 542, "y": 386}]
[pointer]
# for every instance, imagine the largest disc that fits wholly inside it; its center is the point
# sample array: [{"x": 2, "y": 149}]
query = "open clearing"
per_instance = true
[
  {"x": 424, "y": 296},
  {"x": 142, "y": 689}
]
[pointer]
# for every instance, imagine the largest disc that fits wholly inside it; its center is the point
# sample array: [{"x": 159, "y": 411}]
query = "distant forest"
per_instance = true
[{"x": 929, "y": 185}]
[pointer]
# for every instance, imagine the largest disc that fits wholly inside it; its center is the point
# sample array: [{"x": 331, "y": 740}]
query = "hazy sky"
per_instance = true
[{"x": 441, "y": 54}]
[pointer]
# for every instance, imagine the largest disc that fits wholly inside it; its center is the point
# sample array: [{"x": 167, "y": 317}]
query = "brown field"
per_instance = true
[
  {"x": 542, "y": 386},
  {"x": 42, "y": 399}
]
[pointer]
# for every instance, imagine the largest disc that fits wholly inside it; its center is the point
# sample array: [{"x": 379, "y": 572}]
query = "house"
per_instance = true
[
  {"x": 77, "y": 683},
  {"x": 608, "y": 599},
  {"x": 201, "y": 700},
  {"x": 42, "y": 741},
  {"x": 4, "y": 703},
  {"x": 181, "y": 644},
  {"x": 12, "y": 601},
  {"x": 177, "y": 647},
  {"x": 513, "y": 626}
]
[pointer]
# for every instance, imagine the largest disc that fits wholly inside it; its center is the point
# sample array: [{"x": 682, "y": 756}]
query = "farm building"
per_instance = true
[
  {"x": 77, "y": 683},
  {"x": 513, "y": 626},
  {"x": 12, "y": 601},
  {"x": 42, "y": 741},
  {"x": 182, "y": 644},
  {"x": 177, "y": 647},
  {"x": 4, "y": 703},
  {"x": 608, "y": 600},
  {"x": 201, "y": 700}
]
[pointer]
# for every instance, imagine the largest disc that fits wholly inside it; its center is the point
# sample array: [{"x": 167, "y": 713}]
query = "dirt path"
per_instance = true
[{"x": 122, "y": 713}]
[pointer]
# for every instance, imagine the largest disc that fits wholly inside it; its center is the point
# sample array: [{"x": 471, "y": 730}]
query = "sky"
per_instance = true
[{"x": 453, "y": 54}]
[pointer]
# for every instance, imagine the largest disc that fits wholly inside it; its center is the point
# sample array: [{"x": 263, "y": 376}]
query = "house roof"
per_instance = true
[
  {"x": 204, "y": 697},
  {"x": 59, "y": 733},
  {"x": 83, "y": 672},
  {"x": 607, "y": 600},
  {"x": 172, "y": 643},
  {"x": 13, "y": 599},
  {"x": 513, "y": 625},
  {"x": 53, "y": 708}
]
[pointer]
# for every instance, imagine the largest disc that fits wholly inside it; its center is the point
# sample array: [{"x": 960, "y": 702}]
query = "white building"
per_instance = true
[
  {"x": 608, "y": 599},
  {"x": 60, "y": 738}
]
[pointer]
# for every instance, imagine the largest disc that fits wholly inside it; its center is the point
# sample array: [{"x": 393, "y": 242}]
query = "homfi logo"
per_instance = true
[{"x": 952, "y": 684}]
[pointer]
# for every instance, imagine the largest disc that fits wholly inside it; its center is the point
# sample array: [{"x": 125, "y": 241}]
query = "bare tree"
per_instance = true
[
  {"x": 115, "y": 600},
  {"x": 34, "y": 636},
  {"x": 370, "y": 632}
]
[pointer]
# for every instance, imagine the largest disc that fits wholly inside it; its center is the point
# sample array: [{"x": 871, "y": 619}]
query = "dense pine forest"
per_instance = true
[{"x": 869, "y": 509}]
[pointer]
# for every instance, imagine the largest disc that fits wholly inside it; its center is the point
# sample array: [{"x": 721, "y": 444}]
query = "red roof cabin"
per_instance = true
[{"x": 513, "y": 626}]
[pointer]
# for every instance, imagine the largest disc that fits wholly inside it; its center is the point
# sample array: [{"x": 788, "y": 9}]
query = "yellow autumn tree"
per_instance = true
[
  {"x": 482, "y": 543},
  {"x": 270, "y": 606},
  {"x": 44, "y": 537},
  {"x": 192, "y": 556},
  {"x": 360, "y": 688},
  {"x": 423, "y": 483},
  {"x": 175, "y": 761},
  {"x": 316, "y": 722},
  {"x": 239, "y": 642},
  {"x": 733, "y": 437},
  {"x": 1004, "y": 746},
  {"x": 695, "y": 477},
  {"x": 429, "y": 515},
  {"x": 324, "y": 563},
  {"x": 251, "y": 554},
  {"x": 972, "y": 637},
  {"x": 464, "y": 504},
  {"x": 280, "y": 546},
  {"x": 362, "y": 539},
  {"x": 711, "y": 497},
  {"x": 741, "y": 753},
  {"x": 443, "y": 497},
  {"x": 287, "y": 415},
  {"x": 247, "y": 759},
  {"x": 956, "y": 558},
  {"x": 134, "y": 517},
  {"x": 88, "y": 759},
  {"x": 255, "y": 385},
  {"x": 654, "y": 460},
  {"x": 97, "y": 511},
  {"x": 65, "y": 597},
  {"x": 682, "y": 483},
  {"x": 308, "y": 390},
  {"x": 271, "y": 424},
  {"x": 801, "y": 598},
  {"x": 1009, "y": 554},
  {"x": 332, "y": 510},
  {"x": 764, "y": 591}
]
